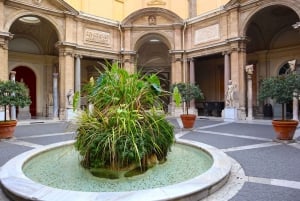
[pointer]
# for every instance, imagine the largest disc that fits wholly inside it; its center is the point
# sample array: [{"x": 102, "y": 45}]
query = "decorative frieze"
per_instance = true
[
  {"x": 156, "y": 3},
  {"x": 207, "y": 34},
  {"x": 38, "y": 2},
  {"x": 96, "y": 36}
]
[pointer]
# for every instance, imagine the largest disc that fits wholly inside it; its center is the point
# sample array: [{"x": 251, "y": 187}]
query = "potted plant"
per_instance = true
[
  {"x": 184, "y": 93},
  {"x": 281, "y": 89},
  {"x": 11, "y": 94}
]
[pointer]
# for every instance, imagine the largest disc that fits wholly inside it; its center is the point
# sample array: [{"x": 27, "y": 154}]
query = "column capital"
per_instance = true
[
  {"x": 79, "y": 56},
  {"x": 6, "y": 35},
  {"x": 4, "y": 38},
  {"x": 191, "y": 59},
  {"x": 226, "y": 52},
  {"x": 13, "y": 72},
  {"x": 249, "y": 69}
]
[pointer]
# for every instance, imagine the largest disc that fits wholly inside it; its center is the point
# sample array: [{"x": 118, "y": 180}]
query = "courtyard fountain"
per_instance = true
[{"x": 124, "y": 150}]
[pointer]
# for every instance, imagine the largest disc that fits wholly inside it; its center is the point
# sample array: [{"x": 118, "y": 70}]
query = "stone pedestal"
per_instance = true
[
  {"x": 70, "y": 114},
  {"x": 50, "y": 111},
  {"x": 1, "y": 115},
  {"x": 277, "y": 108},
  {"x": 230, "y": 114},
  {"x": 24, "y": 113}
]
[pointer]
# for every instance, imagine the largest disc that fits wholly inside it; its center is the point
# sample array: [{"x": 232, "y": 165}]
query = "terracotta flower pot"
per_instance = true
[
  {"x": 188, "y": 120},
  {"x": 285, "y": 129},
  {"x": 7, "y": 129}
]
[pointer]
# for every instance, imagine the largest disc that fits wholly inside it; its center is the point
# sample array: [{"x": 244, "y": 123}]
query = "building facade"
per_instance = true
[{"x": 56, "y": 46}]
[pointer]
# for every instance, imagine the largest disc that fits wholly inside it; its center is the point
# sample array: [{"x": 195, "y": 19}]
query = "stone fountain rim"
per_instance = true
[{"x": 16, "y": 184}]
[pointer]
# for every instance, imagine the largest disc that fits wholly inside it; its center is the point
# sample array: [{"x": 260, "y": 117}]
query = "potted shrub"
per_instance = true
[
  {"x": 125, "y": 132},
  {"x": 184, "y": 93},
  {"x": 281, "y": 89},
  {"x": 11, "y": 94}
]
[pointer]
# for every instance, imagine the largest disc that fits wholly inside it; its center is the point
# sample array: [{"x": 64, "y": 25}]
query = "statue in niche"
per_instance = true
[
  {"x": 230, "y": 94},
  {"x": 70, "y": 95},
  {"x": 152, "y": 20},
  {"x": 292, "y": 65}
]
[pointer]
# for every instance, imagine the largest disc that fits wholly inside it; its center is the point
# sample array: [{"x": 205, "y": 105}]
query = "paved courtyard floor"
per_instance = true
[{"x": 262, "y": 170}]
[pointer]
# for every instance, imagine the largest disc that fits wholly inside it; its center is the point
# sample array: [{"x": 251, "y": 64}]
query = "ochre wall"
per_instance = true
[{"x": 119, "y": 9}]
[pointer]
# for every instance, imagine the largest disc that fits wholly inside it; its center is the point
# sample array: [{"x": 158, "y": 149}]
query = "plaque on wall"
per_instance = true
[
  {"x": 96, "y": 36},
  {"x": 207, "y": 34}
]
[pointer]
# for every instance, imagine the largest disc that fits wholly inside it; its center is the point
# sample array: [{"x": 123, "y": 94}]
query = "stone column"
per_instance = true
[
  {"x": 249, "y": 71},
  {"x": 192, "y": 80},
  {"x": 66, "y": 81},
  {"x": 292, "y": 65},
  {"x": 177, "y": 69},
  {"x": 4, "y": 38},
  {"x": 127, "y": 53},
  {"x": 192, "y": 8},
  {"x": 295, "y": 106},
  {"x": 226, "y": 70},
  {"x": 176, "y": 77},
  {"x": 128, "y": 61},
  {"x": 238, "y": 61},
  {"x": 13, "y": 114},
  {"x": 192, "y": 71},
  {"x": 55, "y": 95},
  {"x": 78, "y": 76}
]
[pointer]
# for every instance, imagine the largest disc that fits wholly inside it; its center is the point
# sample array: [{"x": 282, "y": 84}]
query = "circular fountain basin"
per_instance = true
[
  {"x": 20, "y": 187},
  {"x": 60, "y": 168}
]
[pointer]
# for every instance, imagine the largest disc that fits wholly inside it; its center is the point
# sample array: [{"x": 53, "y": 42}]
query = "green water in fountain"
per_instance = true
[{"x": 60, "y": 168}]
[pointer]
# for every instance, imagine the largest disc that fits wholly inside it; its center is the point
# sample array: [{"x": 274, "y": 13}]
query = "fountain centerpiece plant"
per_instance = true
[
  {"x": 281, "y": 89},
  {"x": 183, "y": 94},
  {"x": 126, "y": 132},
  {"x": 11, "y": 94}
]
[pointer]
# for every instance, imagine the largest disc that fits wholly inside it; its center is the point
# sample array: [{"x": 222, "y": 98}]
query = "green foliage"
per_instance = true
[
  {"x": 126, "y": 125},
  {"x": 176, "y": 96},
  {"x": 188, "y": 92},
  {"x": 13, "y": 93},
  {"x": 76, "y": 99},
  {"x": 280, "y": 88}
]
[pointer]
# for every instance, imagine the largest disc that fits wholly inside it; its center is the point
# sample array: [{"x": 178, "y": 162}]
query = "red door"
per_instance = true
[{"x": 26, "y": 75}]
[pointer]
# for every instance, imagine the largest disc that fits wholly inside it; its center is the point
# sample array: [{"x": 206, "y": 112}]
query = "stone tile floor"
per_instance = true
[{"x": 263, "y": 170}]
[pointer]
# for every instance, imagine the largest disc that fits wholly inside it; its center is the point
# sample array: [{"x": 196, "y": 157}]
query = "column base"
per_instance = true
[
  {"x": 24, "y": 113},
  {"x": 70, "y": 114},
  {"x": 230, "y": 114}
]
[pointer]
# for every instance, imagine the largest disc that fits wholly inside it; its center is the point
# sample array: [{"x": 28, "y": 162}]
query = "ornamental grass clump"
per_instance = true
[{"x": 126, "y": 128}]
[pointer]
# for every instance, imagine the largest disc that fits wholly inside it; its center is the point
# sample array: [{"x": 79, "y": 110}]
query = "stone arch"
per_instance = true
[
  {"x": 146, "y": 36},
  {"x": 152, "y": 50},
  {"x": 15, "y": 16},
  {"x": 271, "y": 27},
  {"x": 153, "y": 57},
  {"x": 245, "y": 24}
]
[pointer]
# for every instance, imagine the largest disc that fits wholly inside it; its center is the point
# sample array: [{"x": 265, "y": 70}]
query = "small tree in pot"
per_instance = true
[
  {"x": 185, "y": 93},
  {"x": 281, "y": 89},
  {"x": 11, "y": 94}
]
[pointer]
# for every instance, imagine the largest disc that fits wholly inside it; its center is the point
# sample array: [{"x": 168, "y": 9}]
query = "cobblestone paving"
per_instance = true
[{"x": 263, "y": 170}]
